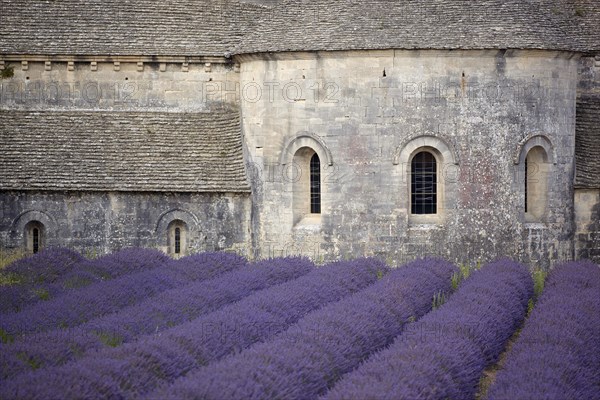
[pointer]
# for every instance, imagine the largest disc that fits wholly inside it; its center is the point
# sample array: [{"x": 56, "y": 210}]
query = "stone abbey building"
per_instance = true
[{"x": 469, "y": 130}]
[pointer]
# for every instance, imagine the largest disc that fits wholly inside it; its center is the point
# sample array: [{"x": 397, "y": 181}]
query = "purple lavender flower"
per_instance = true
[
  {"x": 81, "y": 305},
  {"x": 137, "y": 368},
  {"x": 157, "y": 313},
  {"x": 310, "y": 356},
  {"x": 444, "y": 354},
  {"x": 557, "y": 353},
  {"x": 38, "y": 277},
  {"x": 54, "y": 271},
  {"x": 45, "y": 266}
]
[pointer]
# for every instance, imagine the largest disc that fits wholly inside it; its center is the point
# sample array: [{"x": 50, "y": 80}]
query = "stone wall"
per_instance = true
[
  {"x": 587, "y": 220},
  {"x": 587, "y": 177},
  {"x": 366, "y": 113},
  {"x": 102, "y": 222},
  {"x": 105, "y": 221},
  {"x": 175, "y": 84}
]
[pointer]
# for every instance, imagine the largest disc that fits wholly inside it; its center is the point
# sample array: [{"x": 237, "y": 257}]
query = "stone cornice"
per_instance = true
[{"x": 115, "y": 58}]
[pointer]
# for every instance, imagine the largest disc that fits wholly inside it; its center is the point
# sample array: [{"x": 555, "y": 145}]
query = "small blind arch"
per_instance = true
[{"x": 535, "y": 185}]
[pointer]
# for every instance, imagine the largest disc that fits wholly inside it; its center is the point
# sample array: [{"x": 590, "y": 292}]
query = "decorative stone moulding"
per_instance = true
[
  {"x": 207, "y": 67},
  {"x": 48, "y": 66},
  {"x": 185, "y": 67},
  {"x": 70, "y": 66},
  {"x": 163, "y": 67},
  {"x": 117, "y": 66},
  {"x": 531, "y": 141},
  {"x": 236, "y": 67},
  {"x": 140, "y": 66},
  {"x": 93, "y": 66},
  {"x": 2, "y": 65},
  {"x": 24, "y": 65}
]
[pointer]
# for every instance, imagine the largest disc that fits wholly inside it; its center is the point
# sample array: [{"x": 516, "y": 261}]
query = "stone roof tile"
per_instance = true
[
  {"x": 123, "y": 27},
  {"x": 192, "y": 28},
  {"x": 587, "y": 142},
  {"x": 296, "y": 25},
  {"x": 122, "y": 151}
]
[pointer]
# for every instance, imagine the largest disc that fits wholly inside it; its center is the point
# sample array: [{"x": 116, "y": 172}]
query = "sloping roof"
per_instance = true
[
  {"x": 123, "y": 27},
  {"x": 214, "y": 28},
  {"x": 122, "y": 151},
  {"x": 296, "y": 25},
  {"x": 587, "y": 142}
]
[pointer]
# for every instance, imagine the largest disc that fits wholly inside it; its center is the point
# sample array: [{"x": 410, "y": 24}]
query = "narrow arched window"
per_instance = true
[
  {"x": 305, "y": 174},
  {"x": 177, "y": 240},
  {"x": 423, "y": 183},
  {"x": 526, "y": 183},
  {"x": 36, "y": 240},
  {"x": 315, "y": 184},
  {"x": 34, "y": 237}
]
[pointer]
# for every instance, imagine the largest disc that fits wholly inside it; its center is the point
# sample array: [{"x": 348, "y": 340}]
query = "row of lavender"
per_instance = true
[
  {"x": 557, "y": 354},
  {"x": 444, "y": 354},
  {"x": 140, "y": 366},
  {"x": 55, "y": 271},
  {"x": 441, "y": 355},
  {"x": 303, "y": 361},
  {"x": 77, "y": 306},
  {"x": 153, "y": 315}
]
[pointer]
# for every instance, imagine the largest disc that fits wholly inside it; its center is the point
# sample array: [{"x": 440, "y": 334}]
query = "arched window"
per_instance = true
[
  {"x": 423, "y": 183},
  {"x": 428, "y": 175},
  {"x": 34, "y": 236},
  {"x": 36, "y": 240},
  {"x": 535, "y": 184},
  {"x": 315, "y": 184},
  {"x": 177, "y": 238},
  {"x": 305, "y": 173}
]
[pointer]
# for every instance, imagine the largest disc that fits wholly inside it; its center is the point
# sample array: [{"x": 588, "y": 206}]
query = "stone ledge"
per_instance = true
[
  {"x": 310, "y": 223},
  {"x": 123, "y": 59}
]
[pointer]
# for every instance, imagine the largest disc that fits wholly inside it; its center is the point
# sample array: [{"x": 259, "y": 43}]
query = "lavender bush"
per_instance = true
[
  {"x": 81, "y": 305},
  {"x": 36, "y": 277},
  {"x": 45, "y": 266},
  {"x": 136, "y": 368},
  {"x": 54, "y": 271},
  {"x": 444, "y": 354},
  {"x": 127, "y": 261},
  {"x": 305, "y": 360},
  {"x": 155, "y": 314},
  {"x": 557, "y": 354}
]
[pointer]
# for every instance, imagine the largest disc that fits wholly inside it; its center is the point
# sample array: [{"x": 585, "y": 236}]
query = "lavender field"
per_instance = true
[{"x": 139, "y": 325}]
